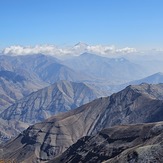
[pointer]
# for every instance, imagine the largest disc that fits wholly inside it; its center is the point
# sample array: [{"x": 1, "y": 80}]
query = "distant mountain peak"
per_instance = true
[
  {"x": 81, "y": 44},
  {"x": 152, "y": 79},
  {"x": 159, "y": 73},
  {"x": 86, "y": 54}
]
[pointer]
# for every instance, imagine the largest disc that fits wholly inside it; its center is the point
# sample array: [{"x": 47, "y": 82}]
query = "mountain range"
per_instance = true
[
  {"x": 46, "y": 140},
  {"x": 115, "y": 70},
  {"x": 22, "y": 75},
  {"x": 45, "y": 68},
  {"x": 54, "y": 110},
  {"x": 59, "y": 97}
]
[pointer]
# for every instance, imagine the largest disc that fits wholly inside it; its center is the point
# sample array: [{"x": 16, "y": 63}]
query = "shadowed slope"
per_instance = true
[{"x": 127, "y": 143}]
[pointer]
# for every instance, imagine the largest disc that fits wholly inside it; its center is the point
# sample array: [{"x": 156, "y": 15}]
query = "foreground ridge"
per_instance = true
[
  {"x": 46, "y": 140},
  {"x": 124, "y": 144}
]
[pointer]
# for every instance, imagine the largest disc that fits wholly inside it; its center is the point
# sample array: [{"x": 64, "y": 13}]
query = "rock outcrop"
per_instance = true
[
  {"x": 14, "y": 87},
  {"x": 120, "y": 144}
]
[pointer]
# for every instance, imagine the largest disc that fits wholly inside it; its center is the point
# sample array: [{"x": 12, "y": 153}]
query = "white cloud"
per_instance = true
[
  {"x": 126, "y": 50},
  {"x": 78, "y": 49},
  {"x": 45, "y": 49},
  {"x": 101, "y": 49}
]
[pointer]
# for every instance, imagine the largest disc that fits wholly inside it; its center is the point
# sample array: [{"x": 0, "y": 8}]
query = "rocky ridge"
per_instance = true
[{"x": 60, "y": 97}]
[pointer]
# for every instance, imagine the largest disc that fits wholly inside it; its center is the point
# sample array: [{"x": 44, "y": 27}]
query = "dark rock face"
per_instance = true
[
  {"x": 126, "y": 143},
  {"x": 135, "y": 104}
]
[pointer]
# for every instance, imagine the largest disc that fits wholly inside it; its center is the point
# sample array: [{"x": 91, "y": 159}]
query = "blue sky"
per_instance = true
[{"x": 133, "y": 23}]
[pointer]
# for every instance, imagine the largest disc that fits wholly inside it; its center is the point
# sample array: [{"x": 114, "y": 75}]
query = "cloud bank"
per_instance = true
[{"x": 75, "y": 50}]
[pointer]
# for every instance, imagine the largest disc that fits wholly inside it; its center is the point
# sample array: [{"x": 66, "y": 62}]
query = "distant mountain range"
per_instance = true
[
  {"x": 117, "y": 70},
  {"x": 87, "y": 67},
  {"x": 45, "y": 68},
  {"x": 46, "y": 140},
  {"x": 22, "y": 75},
  {"x": 59, "y": 97}
]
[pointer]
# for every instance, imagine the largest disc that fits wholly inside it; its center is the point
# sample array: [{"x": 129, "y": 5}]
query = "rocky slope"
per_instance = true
[
  {"x": 59, "y": 97},
  {"x": 10, "y": 129},
  {"x": 121, "y": 144},
  {"x": 46, "y": 140},
  {"x": 14, "y": 86}
]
